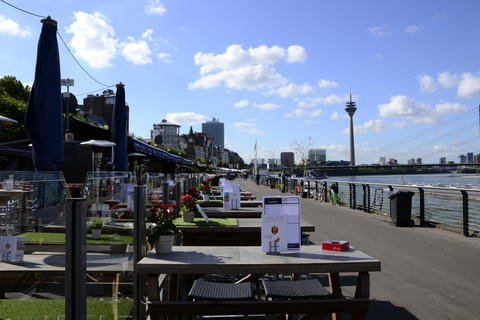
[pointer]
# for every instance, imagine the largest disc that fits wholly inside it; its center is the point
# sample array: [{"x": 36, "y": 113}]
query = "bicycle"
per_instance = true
[{"x": 320, "y": 194}]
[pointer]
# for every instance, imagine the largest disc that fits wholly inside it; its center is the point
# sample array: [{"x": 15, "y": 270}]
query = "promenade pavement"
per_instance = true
[{"x": 427, "y": 273}]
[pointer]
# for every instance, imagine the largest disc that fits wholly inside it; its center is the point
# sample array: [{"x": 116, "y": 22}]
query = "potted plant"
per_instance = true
[
  {"x": 188, "y": 209},
  {"x": 96, "y": 226},
  {"x": 205, "y": 188},
  {"x": 119, "y": 241},
  {"x": 162, "y": 229}
]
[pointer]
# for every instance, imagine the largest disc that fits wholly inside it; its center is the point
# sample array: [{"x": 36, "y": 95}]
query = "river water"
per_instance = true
[{"x": 441, "y": 179}]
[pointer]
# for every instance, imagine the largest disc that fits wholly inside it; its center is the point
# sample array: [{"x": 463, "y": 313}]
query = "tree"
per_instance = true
[
  {"x": 13, "y": 100},
  {"x": 301, "y": 150}
]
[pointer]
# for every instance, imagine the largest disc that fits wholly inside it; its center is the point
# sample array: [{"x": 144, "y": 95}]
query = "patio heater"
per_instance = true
[{"x": 98, "y": 147}]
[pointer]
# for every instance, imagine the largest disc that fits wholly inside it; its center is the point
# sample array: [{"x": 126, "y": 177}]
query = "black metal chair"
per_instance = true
[{"x": 215, "y": 291}]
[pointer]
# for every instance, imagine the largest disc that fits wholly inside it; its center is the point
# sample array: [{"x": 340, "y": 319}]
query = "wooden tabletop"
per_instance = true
[
  {"x": 245, "y": 260},
  {"x": 54, "y": 263},
  {"x": 243, "y": 203},
  {"x": 248, "y": 225},
  {"x": 231, "y": 213}
]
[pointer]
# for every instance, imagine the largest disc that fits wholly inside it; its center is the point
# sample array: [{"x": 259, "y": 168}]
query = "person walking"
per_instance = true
[
  {"x": 258, "y": 178},
  {"x": 283, "y": 178}
]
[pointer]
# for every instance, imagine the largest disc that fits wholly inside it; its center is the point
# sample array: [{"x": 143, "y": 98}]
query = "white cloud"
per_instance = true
[
  {"x": 316, "y": 113},
  {"x": 93, "y": 39},
  {"x": 335, "y": 150},
  {"x": 336, "y": 116},
  {"x": 243, "y": 125},
  {"x": 296, "y": 112},
  {"x": 163, "y": 57},
  {"x": 427, "y": 84},
  {"x": 447, "y": 80},
  {"x": 469, "y": 86},
  {"x": 376, "y": 125},
  {"x": 250, "y": 69},
  {"x": 267, "y": 106},
  {"x": 412, "y": 29},
  {"x": 241, "y": 104},
  {"x": 449, "y": 107},
  {"x": 235, "y": 57},
  {"x": 310, "y": 102},
  {"x": 155, "y": 7},
  {"x": 249, "y": 77},
  {"x": 379, "y": 57},
  {"x": 294, "y": 90},
  {"x": 378, "y": 31},
  {"x": 296, "y": 54},
  {"x": 147, "y": 34},
  {"x": 136, "y": 52},
  {"x": 256, "y": 132},
  {"x": 8, "y": 26},
  {"x": 406, "y": 108},
  {"x": 309, "y": 122},
  {"x": 186, "y": 118},
  {"x": 326, "y": 84}
]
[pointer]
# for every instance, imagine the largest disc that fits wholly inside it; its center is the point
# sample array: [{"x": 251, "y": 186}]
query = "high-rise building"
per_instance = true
[
  {"x": 287, "y": 159},
  {"x": 215, "y": 129},
  {"x": 166, "y": 134},
  {"x": 469, "y": 157},
  {"x": 443, "y": 160},
  {"x": 317, "y": 156}
]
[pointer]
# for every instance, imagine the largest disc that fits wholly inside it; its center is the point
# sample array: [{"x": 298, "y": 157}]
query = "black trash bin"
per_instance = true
[{"x": 401, "y": 208}]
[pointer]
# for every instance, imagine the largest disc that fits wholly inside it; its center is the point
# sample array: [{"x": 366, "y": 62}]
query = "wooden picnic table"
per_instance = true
[
  {"x": 243, "y": 204},
  {"x": 109, "y": 265},
  {"x": 185, "y": 261},
  {"x": 241, "y": 213},
  {"x": 247, "y": 233}
]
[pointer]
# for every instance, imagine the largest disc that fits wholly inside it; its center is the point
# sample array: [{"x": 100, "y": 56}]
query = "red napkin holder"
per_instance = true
[{"x": 335, "y": 245}]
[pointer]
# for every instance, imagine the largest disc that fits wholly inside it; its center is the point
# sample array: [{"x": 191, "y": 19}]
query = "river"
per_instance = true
[{"x": 441, "y": 179}]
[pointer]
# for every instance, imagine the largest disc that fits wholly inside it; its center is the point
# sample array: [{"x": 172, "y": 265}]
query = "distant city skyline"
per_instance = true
[{"x": 281, "y": 77}]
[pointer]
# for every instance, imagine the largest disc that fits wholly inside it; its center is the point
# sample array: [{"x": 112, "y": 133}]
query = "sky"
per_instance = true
[{"x": 274, "y": 72}]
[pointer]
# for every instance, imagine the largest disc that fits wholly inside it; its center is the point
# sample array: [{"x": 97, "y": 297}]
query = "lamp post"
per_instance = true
[{"x": 67, "y": 83}]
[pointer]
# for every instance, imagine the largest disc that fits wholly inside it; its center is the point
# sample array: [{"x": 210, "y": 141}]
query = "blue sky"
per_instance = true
[{"x": 274, "y": 72}]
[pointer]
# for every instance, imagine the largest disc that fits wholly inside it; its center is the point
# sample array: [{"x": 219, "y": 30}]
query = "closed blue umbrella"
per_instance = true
[
  {"x": 119, "y": 130},
  {"x": 43, "y": 120}
]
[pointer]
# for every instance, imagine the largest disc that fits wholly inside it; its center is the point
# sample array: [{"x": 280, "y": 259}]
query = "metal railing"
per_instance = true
[{"x": 456, "y": 209}]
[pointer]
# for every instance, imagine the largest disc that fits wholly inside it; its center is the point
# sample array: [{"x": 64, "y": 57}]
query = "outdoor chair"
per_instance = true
[
  {"x": 294, "y": 289},
  {"x": 203, "y": 290}
]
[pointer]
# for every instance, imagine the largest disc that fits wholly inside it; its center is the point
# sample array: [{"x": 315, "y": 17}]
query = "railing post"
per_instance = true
[
  {"x": 325, "y": 190},
  {"x": 422, "y": 207},
  {"x": 465, "y": 213},
  {"x": 368, "y": 197},
  {"x": 365, "y": 198}
]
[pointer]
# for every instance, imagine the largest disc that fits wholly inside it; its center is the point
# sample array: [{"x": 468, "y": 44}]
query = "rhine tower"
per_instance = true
[{"x": 350, "y": 109}]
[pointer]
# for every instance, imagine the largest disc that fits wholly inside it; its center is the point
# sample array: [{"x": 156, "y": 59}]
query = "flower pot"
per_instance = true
[
  {"x": 164, "y": 244},
  {"x": 206, "y": 197},
  {"x": 118, "y": 247},
  {"x": 188, "y": 216},
  {"x": 96, "y": 234}
]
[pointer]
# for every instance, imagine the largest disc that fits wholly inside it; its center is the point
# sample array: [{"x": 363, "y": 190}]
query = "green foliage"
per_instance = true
[{"x": 13, "y": 101}]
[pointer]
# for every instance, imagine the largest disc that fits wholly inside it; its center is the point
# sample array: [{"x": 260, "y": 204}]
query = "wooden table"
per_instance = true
[
  {"x": 247, "y": 233},
  {"x": 184, "y": 261},
  {"x": 110, "y": 265},
  {"x": 244, "y": 203},
  {"x": 231, "y": 213}
]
